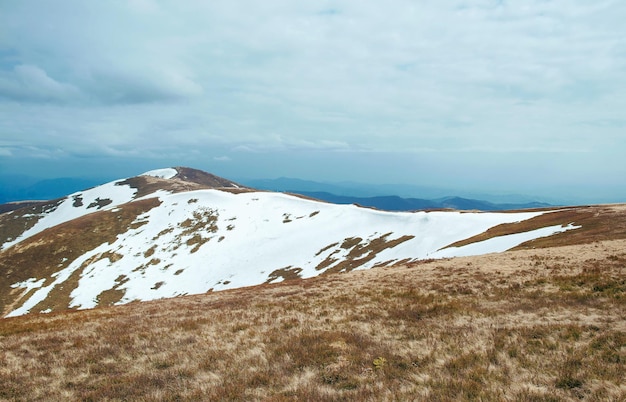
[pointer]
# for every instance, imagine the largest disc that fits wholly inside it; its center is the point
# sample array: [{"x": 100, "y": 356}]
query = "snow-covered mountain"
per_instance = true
[{"x": 178, "y": 231}]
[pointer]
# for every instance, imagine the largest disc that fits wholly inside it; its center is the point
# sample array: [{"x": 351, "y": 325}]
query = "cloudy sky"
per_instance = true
[{"x": 492, "y": 95}]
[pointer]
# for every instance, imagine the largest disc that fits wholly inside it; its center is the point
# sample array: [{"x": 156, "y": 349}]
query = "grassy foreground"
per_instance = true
[{"x": 528, "y": 325}]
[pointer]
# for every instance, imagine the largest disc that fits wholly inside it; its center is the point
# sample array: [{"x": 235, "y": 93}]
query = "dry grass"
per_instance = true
[
  {"x": 187, "y": 180},
  {"x": 597, "y": 223},
  {"x": 16, "y": 222},
  {"x": 528, "y": 325},
  {"x": 360, "y": 253}
]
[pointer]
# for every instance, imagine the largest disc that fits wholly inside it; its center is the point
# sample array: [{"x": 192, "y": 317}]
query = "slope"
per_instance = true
[
  {"x": 173, "y": 232},
  {"x": 542, "y": 324},
  {"x": 26, "y": 222}
]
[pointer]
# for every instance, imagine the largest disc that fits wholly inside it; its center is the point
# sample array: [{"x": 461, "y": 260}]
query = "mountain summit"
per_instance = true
[{"x": 178, "y": 231}]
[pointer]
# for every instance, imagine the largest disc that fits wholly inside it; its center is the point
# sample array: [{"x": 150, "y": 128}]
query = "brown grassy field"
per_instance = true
[{"x": 527, "y": 325}]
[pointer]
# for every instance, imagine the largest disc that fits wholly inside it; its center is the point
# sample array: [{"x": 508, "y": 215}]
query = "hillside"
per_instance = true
[
  {"x": 180, "y": 231},
  {"x": 543, "y": 324}
]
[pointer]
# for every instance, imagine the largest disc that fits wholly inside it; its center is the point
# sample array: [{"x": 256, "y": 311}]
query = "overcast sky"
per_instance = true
[{"x": 499, "y": 96}]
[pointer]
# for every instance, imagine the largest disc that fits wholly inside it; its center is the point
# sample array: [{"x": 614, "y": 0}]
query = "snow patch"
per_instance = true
[
  {"x": 167, "y": 173},
  {"x": 501, "y": 243},
  {"x": 28, "y": 284}
]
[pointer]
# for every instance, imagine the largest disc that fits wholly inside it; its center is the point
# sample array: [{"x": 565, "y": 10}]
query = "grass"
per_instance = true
[
  {"x": 287, "y": 273},
  {"x": 529, "y": 325}
]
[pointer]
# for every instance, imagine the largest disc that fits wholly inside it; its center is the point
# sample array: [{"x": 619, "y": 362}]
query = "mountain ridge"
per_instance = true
[{"x": 174, "y": 231}]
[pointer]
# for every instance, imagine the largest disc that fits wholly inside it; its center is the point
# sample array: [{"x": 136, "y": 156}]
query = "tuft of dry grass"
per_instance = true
[{"x": 529, "y": 325}]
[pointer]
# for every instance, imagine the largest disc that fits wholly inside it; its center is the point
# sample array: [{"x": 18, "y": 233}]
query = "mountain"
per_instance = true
[
  {"x": 179, "y": 231},
  {"x": 387, "y": 203},
  {"x": 427, "y": 194},
  {"x": 544, "y": 321},
  {"x": 395, "y": 203},
  {"x": 17, "y": 188}
]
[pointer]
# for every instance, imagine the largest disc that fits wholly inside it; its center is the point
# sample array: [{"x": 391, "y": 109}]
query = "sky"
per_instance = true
[{"x": 490, "y": 95}]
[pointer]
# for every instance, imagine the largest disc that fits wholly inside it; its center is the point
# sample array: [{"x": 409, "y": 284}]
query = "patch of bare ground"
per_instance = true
[
  {"x": 206, "y": 179},
  {"x": 16, "y": 222},
  {"x": 15, "y": 205},
  {"x": 146, "y": 185},
  {"x": 360, "y": 252},
  {"x": 528, "y": 325},
  {"x": 186, "y": 180}
]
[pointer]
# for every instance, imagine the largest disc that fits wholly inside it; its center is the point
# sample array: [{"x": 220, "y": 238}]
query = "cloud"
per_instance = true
[
  {"x": 144, "y": 6},
  {"x": 34, "y": 152},
  {"x": 31, "y": 83},
  {"x": 128, "y": 86},
  {"x": 159, "y": 77},
  {"x": 121, "y": 53},
  {"x": 388, "y": 60},
  {"x": 222, "y": 158},
  {"x": 277, "y": 142}
]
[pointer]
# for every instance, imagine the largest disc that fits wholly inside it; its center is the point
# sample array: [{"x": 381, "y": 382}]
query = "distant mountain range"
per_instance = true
[
  {"x": 19, "y": 188},
  {"x": 390, "y": 197},
  {"x": 179, "y": 231},
  {"x": 395, "y": 203},
  {"x": 366, "y": 190}
]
